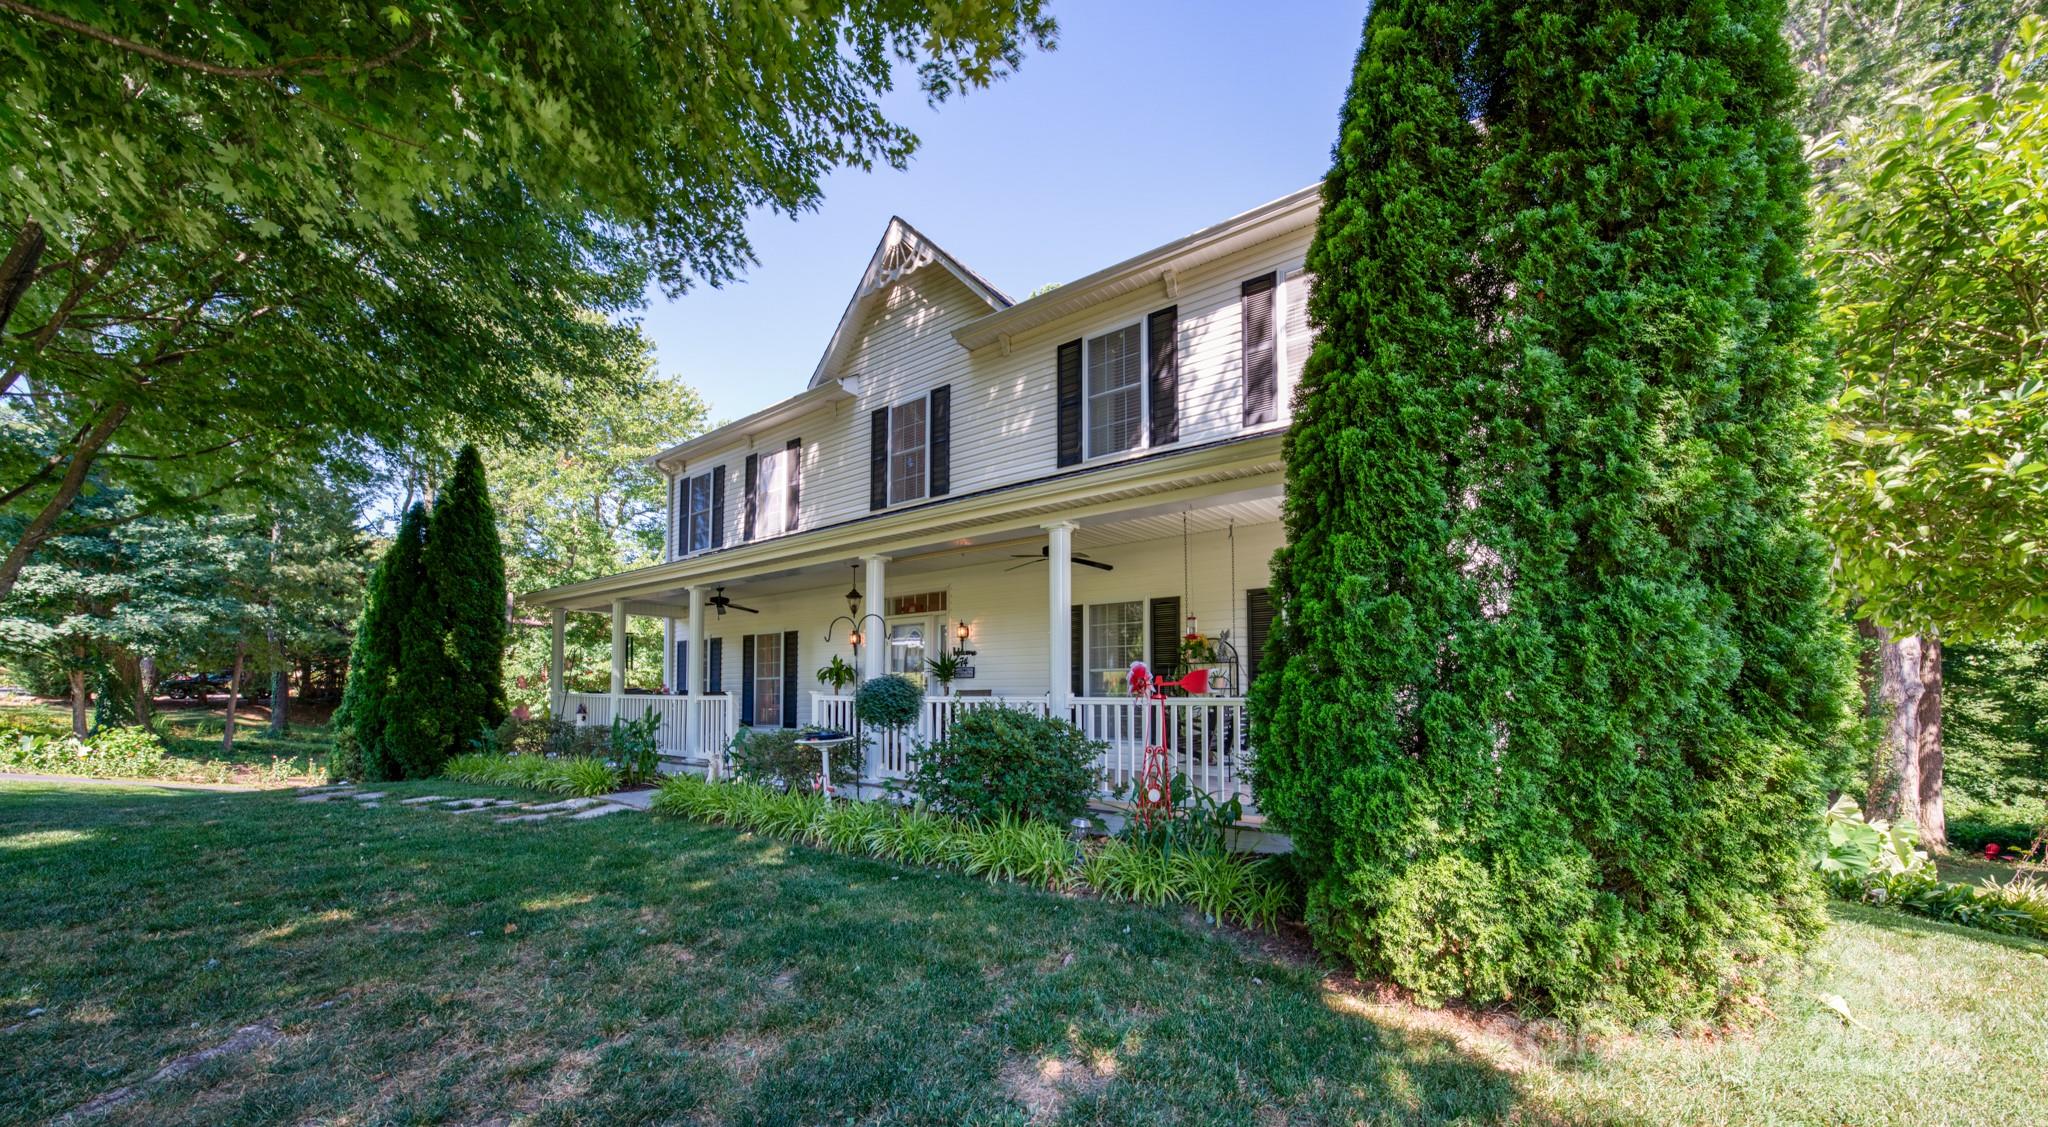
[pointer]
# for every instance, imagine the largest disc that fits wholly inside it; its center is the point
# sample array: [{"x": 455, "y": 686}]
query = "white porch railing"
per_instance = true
[
  {"x": 1207, "y": 738},
  {"x": 691, "y": 728}
]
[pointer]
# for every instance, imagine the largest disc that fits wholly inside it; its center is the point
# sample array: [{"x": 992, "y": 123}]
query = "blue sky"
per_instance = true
[{"x": 1150, "y": 120}]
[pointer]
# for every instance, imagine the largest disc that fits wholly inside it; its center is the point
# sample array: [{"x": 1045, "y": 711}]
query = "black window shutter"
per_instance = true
[
  {"x": 753, "y": 498},
  {"x": 878, "y": 459},
  {"x": 682, "y": 523},
  {"x": 789, "y": 679},
  {"x": 1070, "y": 403},
  {"x": 795, "y": 473},
  {"x": 1165, "y": 631},
  {"x": 714, "y": 665},
  {"x": 1258, "y": 619},
  {"x": 718, "y": 506},
  {"x": 746, "y": 679},
  {"x": 939, "y": 447},
  {"x": 1261, "y": 365},
  {"x": 1075, "y": 656},
  {"x": 682, "y": 666},
  {"x": 1162, "y": 340}
]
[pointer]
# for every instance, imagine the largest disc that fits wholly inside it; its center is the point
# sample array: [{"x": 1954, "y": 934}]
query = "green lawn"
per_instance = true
[{"x": 404, "y": 966}]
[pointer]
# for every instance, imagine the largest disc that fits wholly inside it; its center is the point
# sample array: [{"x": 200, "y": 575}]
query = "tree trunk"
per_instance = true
[
  {"x": 1896, "y": 794},
  {"x": 134, "y": 681},
  {"x": 1907, "y": 671},
  {"x": 145, "y": 689},
  {"x": 19, "y": 267},
  {"x": 305, "y": 677},
  {"x": 227, "y": 729},
  {"x": 44, "y": 524},
  {"x": 78, "y": 703},
  {"x": 1933, "y": 823}
]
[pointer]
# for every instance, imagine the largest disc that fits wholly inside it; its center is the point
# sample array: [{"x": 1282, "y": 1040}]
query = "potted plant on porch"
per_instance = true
[
  {"x": 944, "y": 669},
  {"x": 837, "y": 675}
]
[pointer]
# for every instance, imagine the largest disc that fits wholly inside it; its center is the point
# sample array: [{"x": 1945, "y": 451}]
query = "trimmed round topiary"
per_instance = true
[{"x": 888, "y": 702}]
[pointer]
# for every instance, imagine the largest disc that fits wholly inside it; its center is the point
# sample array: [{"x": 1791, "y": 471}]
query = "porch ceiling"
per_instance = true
[{"x": 1095, "y": 534}]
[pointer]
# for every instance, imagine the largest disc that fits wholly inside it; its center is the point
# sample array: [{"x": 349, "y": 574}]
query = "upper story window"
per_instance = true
[
  {"x": 1115, "y": 400},
  {"x": 700, "y": 512},
  {"x": 697, "y": 513},
  {"x": 910, "y": 449},
  {"x": 907, "y": 451},
  {"x": 773, "y": 480}
]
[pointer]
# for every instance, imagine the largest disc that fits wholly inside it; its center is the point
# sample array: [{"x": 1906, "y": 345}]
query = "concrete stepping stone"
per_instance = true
[
  {"x": 484, "y": 804},
  {"x": 565, "y": 804},
  {"x": 522, "y": 818},
  {"x": 370, "y": 796},
  {"x": 317, "y": 797},
  {"x": 423, "y": 800},
  {"x": 371, "y": 805},
  {"x": 473, "y": 803},
  {"x": 337, "y": 788},
  {"x": 597, "y": 811}
]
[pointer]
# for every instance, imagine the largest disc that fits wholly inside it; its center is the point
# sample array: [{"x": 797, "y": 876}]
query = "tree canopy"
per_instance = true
[
  {"x": 241, "y": 237},
  {"x": 1932, "y": 261}
]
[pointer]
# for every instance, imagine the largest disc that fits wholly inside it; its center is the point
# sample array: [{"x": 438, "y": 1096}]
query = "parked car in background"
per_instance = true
[{"x": 200, "y": 686}]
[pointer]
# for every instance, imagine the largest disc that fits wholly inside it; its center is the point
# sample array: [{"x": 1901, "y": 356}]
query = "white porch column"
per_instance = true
[
  {"x": 669, "y": 672},
  {"x": 693, "y": 658},
  {"x": 1059, "y": 616},
  {"x": 618, "y": 647},
  {"x": 875, "y": 658},
  {"x": 558, "y": 690}
]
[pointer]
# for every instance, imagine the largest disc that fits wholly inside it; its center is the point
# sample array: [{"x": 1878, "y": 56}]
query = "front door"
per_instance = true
[{"x": 909, "y": 645}]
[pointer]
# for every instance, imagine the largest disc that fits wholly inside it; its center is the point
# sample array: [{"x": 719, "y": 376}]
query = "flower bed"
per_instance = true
[{"x": 1224, "y": 886}]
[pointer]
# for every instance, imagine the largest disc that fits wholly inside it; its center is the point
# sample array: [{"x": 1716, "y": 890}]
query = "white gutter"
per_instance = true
[
  {"x": 1267, "y": 221},
  {"x": 767, "y": 418}
]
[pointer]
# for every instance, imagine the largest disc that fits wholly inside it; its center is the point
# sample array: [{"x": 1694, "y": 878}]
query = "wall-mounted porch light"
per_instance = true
[{"x": 961, "y": 633}]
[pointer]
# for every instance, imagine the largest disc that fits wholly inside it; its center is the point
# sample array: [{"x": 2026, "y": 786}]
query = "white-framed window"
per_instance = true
[
  {"x": 696, "y": 514},
  {"x": 907, "y": 457},
  {"x": 767, "y": 675},
  {"x": 773, "y": 472},
  {"x": 1114, "y": 392},
  {"x": 1116, "y": 638}
]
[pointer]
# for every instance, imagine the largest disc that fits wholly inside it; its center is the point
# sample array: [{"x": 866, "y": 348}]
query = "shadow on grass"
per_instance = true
[
  {"x": 429, "y": 965},
  {"x": 1891, "y": 919}
]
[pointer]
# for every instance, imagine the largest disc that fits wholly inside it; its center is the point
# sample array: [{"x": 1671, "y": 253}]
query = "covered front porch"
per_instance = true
[{"x": 1045, "y": 616}]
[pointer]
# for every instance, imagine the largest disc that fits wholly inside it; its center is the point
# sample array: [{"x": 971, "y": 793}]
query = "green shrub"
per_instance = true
[
  {"x": 888, "y": 702},
  {"x": 772, "y": 757},
  {"x": 1970, "y": 833},
  {"x": 1002, "y": 762},
  {"x": 110, "y": 753}
]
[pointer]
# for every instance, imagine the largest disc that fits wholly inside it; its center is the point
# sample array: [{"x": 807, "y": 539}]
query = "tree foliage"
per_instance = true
[
  {"x": 1555, "y": 659},
  {"x": 388, "y": 729},
  {"x": 239, "y": 236},
  {"x": 1932, "y": 260}
]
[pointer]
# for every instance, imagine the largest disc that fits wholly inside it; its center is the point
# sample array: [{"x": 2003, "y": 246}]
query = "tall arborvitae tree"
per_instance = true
[
  {"x": 467, "y": 566},
  {"x": 412, "y": 742},
  {"x": 1373, "y": 751},
  {"x": 365, "y": 710},
  {"x": 1545, "y": 712}
]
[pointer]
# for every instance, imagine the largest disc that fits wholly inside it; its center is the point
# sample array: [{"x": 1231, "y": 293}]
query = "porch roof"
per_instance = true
[{"x": 1239, "y": 469}]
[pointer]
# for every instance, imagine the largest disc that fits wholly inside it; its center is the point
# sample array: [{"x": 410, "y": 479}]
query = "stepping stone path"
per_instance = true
[{"x": 507, "y": 810}]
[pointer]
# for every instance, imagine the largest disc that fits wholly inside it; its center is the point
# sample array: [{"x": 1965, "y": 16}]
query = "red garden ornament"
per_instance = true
[{"x": 1154, "y": 800}]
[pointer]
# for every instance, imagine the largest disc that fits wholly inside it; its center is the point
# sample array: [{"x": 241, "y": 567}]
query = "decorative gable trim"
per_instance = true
[{"x": 902, "y": 252}]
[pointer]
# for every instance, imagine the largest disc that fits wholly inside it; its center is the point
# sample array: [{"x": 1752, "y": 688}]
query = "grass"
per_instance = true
[
  {"x": 193, "y": 748},
  {"x": 423, "y": 966}
]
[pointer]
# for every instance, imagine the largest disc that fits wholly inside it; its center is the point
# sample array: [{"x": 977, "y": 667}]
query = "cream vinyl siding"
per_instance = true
[{"x": 1004, "y": 424}]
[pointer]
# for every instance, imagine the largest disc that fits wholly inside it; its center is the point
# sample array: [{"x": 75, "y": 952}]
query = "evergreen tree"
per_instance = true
[
  {"x": 410, "y": 738},
  {"x": 371, "y": 706},
  {"x": 1557, "y": 658},
  {"x": 466, "y": 566}
]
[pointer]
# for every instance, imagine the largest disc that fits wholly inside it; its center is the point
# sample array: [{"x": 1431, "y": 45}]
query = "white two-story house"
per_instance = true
[{"x": 1050, "y": 489}]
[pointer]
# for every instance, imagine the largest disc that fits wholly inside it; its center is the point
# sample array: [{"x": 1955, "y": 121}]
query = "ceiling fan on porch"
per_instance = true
[
  {"x": 724, "y": 603},
  {"x": 1045, "y": 554}
]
